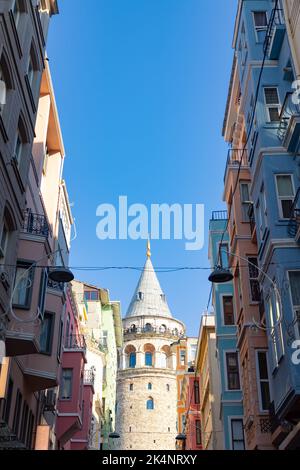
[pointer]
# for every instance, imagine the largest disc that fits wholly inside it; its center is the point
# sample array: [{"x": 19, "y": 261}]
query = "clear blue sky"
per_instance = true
[{"x": 141, "y": 87}]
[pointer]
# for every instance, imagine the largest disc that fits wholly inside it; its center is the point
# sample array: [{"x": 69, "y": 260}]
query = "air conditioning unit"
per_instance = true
[{"x": 50, "y": 401}]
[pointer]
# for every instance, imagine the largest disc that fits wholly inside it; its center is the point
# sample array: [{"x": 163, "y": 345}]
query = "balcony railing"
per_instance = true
[
  {"x": 59, "y": 286},
  {"x": 290, "y": 110},
  {"x": 219, "y": 215},
  {"x": 294, "y": 222},
  {"x": 153, "y": 331},
  {"x": 35, "y": 224},
  {"x": 273, "y": 38},
  {"x": 236, "y": 157},
  {"x": 75, "y": 342},
  {"x": 89, "y": 377}
]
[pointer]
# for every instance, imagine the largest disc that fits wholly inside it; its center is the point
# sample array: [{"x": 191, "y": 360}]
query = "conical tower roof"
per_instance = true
[{"x": 148, "y": 298}]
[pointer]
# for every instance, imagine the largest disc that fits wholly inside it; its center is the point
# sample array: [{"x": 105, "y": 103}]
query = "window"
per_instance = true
[
  {"x": 260, "y": 24},
  {"x": 272, "y": 104},
  {"x": 196, "y": 392},
  {"x": 228, "y": 311},
  {"x": 132, "y": 360},
  {"x": 92, "y": 295},
  {"x": 285, "y": 194},
  {"x": 237, "y": 434},
  {"x": 294, "y": 278},
  {"x": 42, "y": 293},
  {"x": 18, "y": 406},
  {"x": 32, "y": 69},
  {"x": 224, "y": 254},
  {"x": 104, "y": 338},
  {"x": 245, "y": 201},
  {"x": 163, "y": 297},
  {"x": 17, "y": 10},
  {"x": 149, "y": 386},
  {"x": 4, "y": 235},
  {"x": 276, "y": 332},
  {"x": 233, "y": 376},
  {"x": 3, "y": 89},
  {"x": 133, "y": 328},
  {"x": 168, "y": 387},
  {"x": 140, "y": 296},
  {"x": 150, "y": 404},
  {"x": 182, "y": 357},
  {"x": 253, "y": 279},
  {"x": 198, "y": 432},
  {"x": 148, "y": 359},
  {"x": 18, "y": 147},
  {"x": 8, "y": 400},
  {"x": 47, "y": 333},
  {"x": 66, "y": 384},
  {"x": 148, "y": 327},
  {"x": 131, "y": 387},
  {"x": 24, "y": 423},
  {"x": 263, "y": 380},
  {"x": 23, "y": 285}
]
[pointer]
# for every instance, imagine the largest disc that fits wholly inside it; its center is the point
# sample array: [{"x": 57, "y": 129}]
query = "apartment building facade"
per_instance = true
[{"x": 223, "y": 300}]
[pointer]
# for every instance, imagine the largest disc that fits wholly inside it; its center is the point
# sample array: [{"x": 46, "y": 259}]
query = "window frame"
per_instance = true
[
  {"x": 232, "y": 440},
  {"x": 226, "y": 353},
  {"x": 259, "y": 29},
  {"x": 272, "y": 105},
  {"x": 222, "y": 297},
  {"x": 245, "y": 203},
  {"x": 69, "y": 398},
  {"x": 283, "y": 198},
  {"x": 48, "y": 351},
  {"x": 253, "y": 279},
  {"x": 259, "y": 380},
  {"x": 148, "y": 354},
  {"x": 150, "y": 404},
  {"x": 31, "y": 272}
]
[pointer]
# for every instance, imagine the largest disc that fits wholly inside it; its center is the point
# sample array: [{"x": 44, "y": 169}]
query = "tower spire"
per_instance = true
[{"x": 148, "y": 248}]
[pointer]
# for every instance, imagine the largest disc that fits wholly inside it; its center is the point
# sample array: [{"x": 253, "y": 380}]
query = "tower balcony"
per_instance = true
[
  {"x": 132, "y": 333},
  {"x": 275, "y": 34},
  {"x": 289, "y": 126}
]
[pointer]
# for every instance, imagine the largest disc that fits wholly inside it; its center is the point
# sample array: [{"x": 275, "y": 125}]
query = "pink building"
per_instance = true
[{"x": 190, "y": 394}]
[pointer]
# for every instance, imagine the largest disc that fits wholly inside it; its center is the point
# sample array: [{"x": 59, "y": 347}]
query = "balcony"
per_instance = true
[
  {"x": 236, "y": 158},
  {"x": 294, "y": 222},
  {"x": 153, "y": 331},
  {"x": 89, "y": 377},
  {"x": 57, "y": 286},
  {"x": 275, "y": 34},
  {"x": 75, "y": 343},
  {"x": 289, "y": 126},
  {"x": 35, "y": 224}
]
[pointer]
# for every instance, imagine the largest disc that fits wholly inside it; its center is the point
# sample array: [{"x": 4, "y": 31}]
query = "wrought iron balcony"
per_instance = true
[
  {"x": 294, "y": 222},
  {"x": 35, "y": 224},
  {"x": 235, "y": 159},
  {"x": 59, "y": 286},
  {"x": 289, "y": 126},
  {"x": 89, "y": 377},
  {"x": 275, "y": 34},
  {"x": 75, "y": 342}
]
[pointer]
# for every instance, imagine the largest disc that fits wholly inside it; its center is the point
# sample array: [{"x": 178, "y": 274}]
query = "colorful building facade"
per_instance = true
[{"x": 223, "y": 300}]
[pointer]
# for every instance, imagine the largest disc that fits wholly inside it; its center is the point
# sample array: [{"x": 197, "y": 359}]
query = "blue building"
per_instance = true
[
  {"x": 231, "y": 407},
  {"x": 272, "y": 122}
]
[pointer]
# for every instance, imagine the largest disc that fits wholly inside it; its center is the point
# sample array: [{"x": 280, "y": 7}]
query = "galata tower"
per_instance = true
[{"x": 146, "y": 383}]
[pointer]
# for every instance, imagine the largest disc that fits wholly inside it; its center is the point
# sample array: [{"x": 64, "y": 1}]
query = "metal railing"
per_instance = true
[
  {"x": 289, "y": 110},
  {"x": 154, "y": 331},
  {"x": 59, "y": 286},
  {"x": 236, "y": 157},
  {"x": 35, "y": 224},
  {"x": 276, "y": 19},
  {"x": 75, "y": 342},
  {"x": 89, "y": 377},
  {"x": 219, "y": 215},
  {"x": 294, "y": 222}
]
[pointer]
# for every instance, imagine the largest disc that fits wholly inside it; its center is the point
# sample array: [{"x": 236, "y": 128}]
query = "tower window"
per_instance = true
[
  {"x": 168, "y": 387},
  {"x": 131, "y": 387},
  {"x": 149, "y": 386},
  {"x": 148, "y": 359},
  {"x": 140, "y": 296},
  {"x": 150, "y": 404},
  {"x": 132, "y": 360}
]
